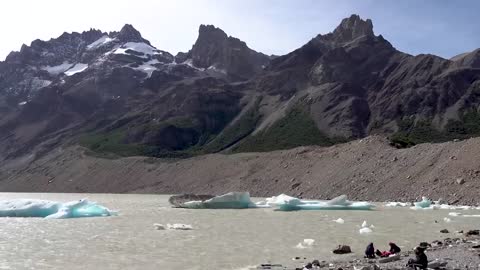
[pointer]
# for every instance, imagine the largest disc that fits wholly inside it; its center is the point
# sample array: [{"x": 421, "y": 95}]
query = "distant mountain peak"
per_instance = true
[
  {"x": 129, "y": 34},
  {"x": 215, "y": 49},
  {"x": 353, "y": 27},
  {"x": 211, "y": 30}
]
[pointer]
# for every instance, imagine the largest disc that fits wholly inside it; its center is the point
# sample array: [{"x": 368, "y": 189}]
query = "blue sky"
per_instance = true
[{"x": 441, "y": 27}]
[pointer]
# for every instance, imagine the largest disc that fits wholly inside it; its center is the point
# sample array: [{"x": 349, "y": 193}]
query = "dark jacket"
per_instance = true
[
  {"x": 370, "y": 251},
  {"x": 420, "y": 260},
  {"x": 394, "y": 249}
]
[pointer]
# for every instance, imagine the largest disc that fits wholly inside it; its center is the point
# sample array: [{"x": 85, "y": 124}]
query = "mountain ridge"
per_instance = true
[{"x": 118, "y": 95}]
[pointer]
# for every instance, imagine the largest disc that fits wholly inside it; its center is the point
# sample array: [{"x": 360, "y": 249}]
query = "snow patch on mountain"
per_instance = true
[
  {"x": 148, "y": 67},
  {"x": 140, "y": 47},
  {"x": 219, "y": 70},
  {"x": 76, "y": 69},
  {"x": 56, "y": 70},
  {"x": 189, "y": 62},
  {"x": 99, "y": 42}
]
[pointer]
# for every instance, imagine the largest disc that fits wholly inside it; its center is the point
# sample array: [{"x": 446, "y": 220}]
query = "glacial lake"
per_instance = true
[{"x": 221, "y": 239}]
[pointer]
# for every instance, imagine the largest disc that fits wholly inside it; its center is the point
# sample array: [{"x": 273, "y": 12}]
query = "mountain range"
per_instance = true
[{"x": 118, "y": 95}]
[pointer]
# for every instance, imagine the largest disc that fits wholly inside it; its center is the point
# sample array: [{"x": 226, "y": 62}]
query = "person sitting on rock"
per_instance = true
[
  {"x": 370, "y": 251},
  {"x": 420, "y": 261},
  {"x": 394, "y": 249}
]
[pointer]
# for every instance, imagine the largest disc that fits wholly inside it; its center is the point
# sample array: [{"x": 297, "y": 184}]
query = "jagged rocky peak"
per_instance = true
[
  {"x": 129, "y": 34},
  {"x": 214, "y": 49},
  {"x": 211, "y": 33},
  {"x": 352, "y": 28}
]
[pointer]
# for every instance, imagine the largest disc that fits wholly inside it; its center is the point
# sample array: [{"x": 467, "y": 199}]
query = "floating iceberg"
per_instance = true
[
  {"x": 427, "y": 204},
  {"x": 424, "y": 203},
  {"x": 305, "y": 244},
  {"x": 339, "y": 221},
  {"x": 286, "y": 203},
  {"x": 241, "y": 200},
  {"x": 397, "y": 204},
  {"x": 52, "y": 209},
  {"x": 365, "y": 228},
  {"x": 232, "y": 200}
]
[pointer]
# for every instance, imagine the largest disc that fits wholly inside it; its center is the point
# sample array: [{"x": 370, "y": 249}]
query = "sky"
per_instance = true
[{"x": 442, "y": 27}]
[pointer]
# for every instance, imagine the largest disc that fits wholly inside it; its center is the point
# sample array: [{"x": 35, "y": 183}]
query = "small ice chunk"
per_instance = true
[
  {"x": 397, "y": 204},
  {"x": 446, "y": 219},
  {"x": 308, "y": 242},
  {"x": 454, "y": 214},
  {"x": 340, "y": 221},
  {"x": 305, "y": 244},
  {"x": 424, "y": 203},
  {"x": 22, "y": 103},
  {"x": 365, "y": 230},
  {"x": 181, "y": 227}
]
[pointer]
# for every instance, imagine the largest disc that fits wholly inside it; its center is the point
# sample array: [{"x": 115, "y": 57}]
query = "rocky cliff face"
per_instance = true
[
  {"x": 117, "y": 94},
  {"x": 216, "y": 51}
]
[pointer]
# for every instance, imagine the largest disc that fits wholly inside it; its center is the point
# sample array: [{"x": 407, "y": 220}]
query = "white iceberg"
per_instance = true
[
  {"x": 305, "y": 244},
  {"x": 397, "y": 204},
  {"x": 52, "y": 209},
  {"x": 232, "y": 200},
  {"x": 287, "y": 203},
  {"x": 365, "y": 228},
  {"x": 241, "y": 200},
  {"x": 339, "y": 221},
  {"x": 446, "y": 219},
  {"x": 426, "y": 204}
]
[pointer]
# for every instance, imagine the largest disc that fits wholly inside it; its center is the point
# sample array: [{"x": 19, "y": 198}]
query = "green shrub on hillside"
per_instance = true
[
  {"x": 297, "y": 128},
  {"x": 410, "y": 134}
]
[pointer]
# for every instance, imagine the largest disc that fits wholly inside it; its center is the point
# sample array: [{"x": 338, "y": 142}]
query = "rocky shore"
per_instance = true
[
  {"x": 447, "y": 254},
  {"x": 367, "y": 169}
]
